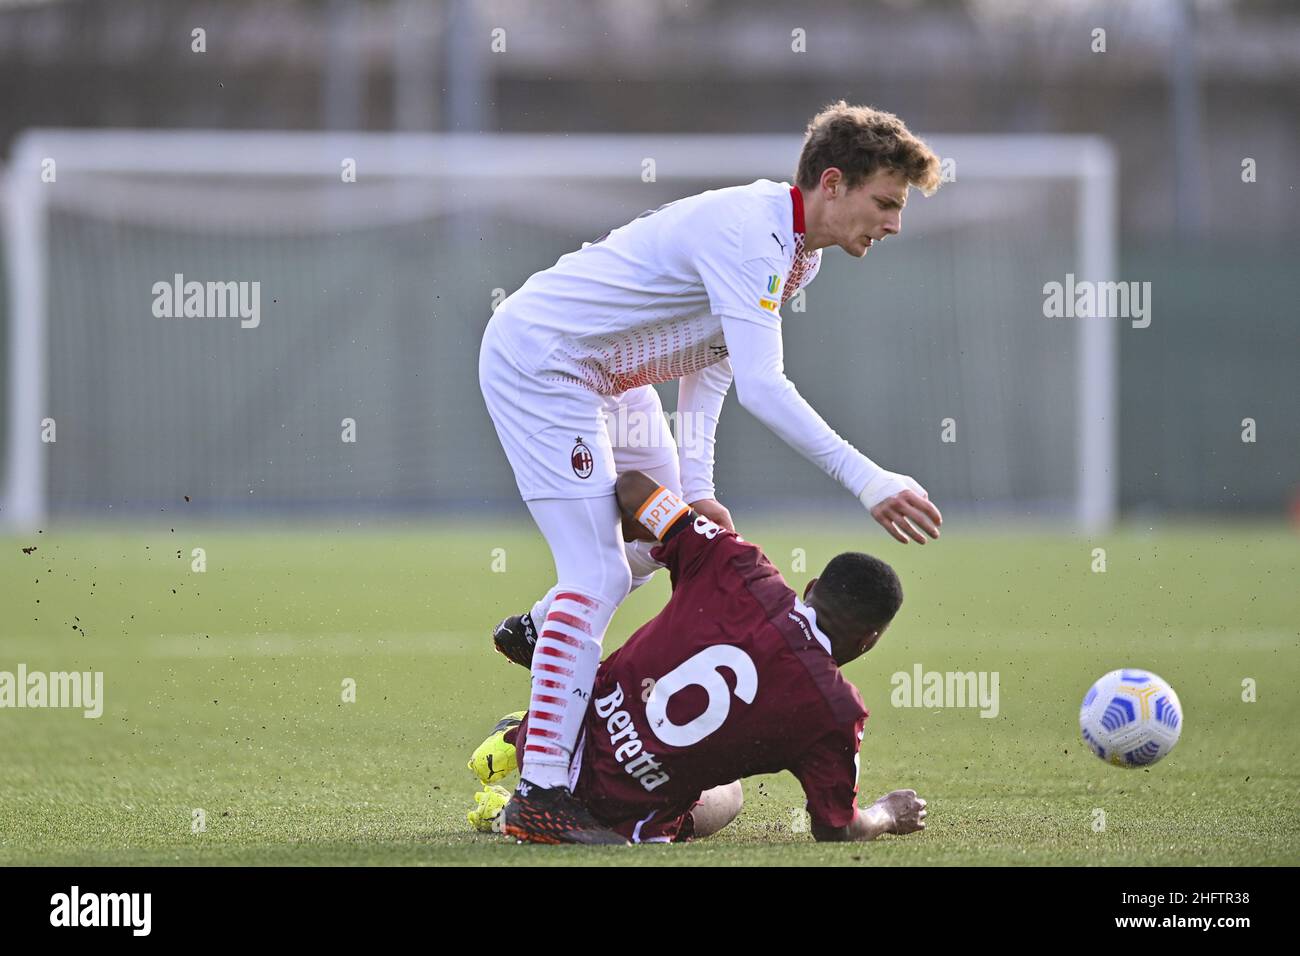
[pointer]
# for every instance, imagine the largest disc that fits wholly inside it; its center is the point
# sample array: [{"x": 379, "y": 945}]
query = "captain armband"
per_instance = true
[{"x": 661, "y": 511}]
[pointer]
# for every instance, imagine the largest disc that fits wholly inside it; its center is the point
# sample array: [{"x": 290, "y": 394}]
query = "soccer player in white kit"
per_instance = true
[{"x": 691, "y": 291}]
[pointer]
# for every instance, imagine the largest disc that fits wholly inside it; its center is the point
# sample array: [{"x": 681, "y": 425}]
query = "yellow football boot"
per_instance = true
[
  {"x": 494, "y": 759},
  {"x": 488, "y": 804}
]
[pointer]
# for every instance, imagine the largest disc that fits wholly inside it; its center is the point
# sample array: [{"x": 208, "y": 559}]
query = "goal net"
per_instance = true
[{"x": 289, "y": 322}]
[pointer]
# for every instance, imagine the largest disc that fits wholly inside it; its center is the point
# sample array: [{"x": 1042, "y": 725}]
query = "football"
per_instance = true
[{"x": 1131, "y": 718}]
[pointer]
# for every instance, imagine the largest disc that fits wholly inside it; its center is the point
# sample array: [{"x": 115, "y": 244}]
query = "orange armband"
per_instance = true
[{"x": 658, "y": 513}]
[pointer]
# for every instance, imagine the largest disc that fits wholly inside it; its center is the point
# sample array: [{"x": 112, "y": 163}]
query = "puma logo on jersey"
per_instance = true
[{"x": 778, "y": 241}]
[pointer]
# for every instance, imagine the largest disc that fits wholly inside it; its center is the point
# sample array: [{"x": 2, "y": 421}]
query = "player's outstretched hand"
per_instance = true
[
  {"x": 906, "y": 809},
  {"x": 902, "y": 514},
  {"x": 901, "y": 507},
  {"x": 714, "y": 511}
]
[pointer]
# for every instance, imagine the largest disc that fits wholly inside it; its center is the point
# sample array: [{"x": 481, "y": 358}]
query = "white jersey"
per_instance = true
[
  {"x": 690, "y": 291},
  {"x": 645, "y": 302}
]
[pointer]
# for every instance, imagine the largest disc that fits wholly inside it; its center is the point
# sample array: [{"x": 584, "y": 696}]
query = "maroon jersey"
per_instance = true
[{"x": 732, "y": 678}]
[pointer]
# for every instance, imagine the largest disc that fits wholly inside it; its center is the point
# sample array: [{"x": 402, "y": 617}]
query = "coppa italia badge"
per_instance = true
[{"x": 581, "y": 459}]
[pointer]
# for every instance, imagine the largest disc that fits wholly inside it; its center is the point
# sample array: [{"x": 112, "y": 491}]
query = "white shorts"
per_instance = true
[{"x": 564, "y": 440}]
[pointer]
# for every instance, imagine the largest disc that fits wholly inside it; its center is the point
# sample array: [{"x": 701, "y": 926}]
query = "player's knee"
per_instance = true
[
  {"x": 639, "y": 580},
  {"x": 640, "y": 562},
  {"x": 717, "y": 808},
  {"x": 607, "y": 578},
  {"x": 618, "y": 580},
  {"x": 733, "y": 799}
]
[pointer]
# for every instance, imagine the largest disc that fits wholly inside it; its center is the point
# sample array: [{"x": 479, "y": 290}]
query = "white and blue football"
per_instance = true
[{"x": 1131, "y": 718}]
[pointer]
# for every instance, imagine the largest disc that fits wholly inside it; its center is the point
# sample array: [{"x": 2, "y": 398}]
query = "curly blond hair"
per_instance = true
[{"x": 858, "y": 141}]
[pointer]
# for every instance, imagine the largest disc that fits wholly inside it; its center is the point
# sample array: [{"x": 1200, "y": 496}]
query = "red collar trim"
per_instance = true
[{"x": 796, "y": 198}]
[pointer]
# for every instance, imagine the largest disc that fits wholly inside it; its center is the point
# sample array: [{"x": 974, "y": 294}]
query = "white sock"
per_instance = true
[
  {"x": 564, "y": 670},
  {"x": 638, "y": 558},
  {"x": 538, "y": 613}
]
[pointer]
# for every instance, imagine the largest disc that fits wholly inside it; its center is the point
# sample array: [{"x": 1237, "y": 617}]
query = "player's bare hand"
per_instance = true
[
  {"x": 907, "y": 514},
  {"x": 901, "y": 506},
  {"x": 714, "y": 511},
  {"x": 905, "y": 809}
]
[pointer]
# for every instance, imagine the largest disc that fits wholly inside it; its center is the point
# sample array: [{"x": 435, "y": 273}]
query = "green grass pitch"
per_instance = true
[{"x": 224, "y": 693}]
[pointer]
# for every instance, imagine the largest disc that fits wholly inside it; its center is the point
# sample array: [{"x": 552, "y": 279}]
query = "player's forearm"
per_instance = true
[
  {"x": 764, "y": 390},
  {"x": 866, "y": 825},
  {"x": 632, "y": 489},
  {"x": 699, "y": 403},
  {"x": 783, "y": 410},
  {"x": 649, "y": 510}
]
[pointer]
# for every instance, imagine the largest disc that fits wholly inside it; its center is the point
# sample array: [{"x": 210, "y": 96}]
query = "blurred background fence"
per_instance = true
[{"x": 387, "y": 290}]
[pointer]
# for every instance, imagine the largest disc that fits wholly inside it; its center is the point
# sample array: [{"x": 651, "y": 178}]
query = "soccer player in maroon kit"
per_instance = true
[{"x": 736, "y": 676}]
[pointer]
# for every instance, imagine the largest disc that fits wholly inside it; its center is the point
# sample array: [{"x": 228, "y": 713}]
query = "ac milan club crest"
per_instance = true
[{"x": 581, "y": 459}]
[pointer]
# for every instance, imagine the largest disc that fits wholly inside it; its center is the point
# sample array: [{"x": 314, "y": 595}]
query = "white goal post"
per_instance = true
[{"x": 474, "y": 163}]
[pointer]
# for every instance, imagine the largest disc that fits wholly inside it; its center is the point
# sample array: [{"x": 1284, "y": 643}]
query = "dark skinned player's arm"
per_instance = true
[
  {"x": 865, "y": 826},
  {"x": 633, "y": 488},
  {"x": 899, "y": 811}
]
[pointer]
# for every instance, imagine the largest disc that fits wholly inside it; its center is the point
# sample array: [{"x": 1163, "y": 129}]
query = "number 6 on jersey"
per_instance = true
[{"x": 702, "y": 670}]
